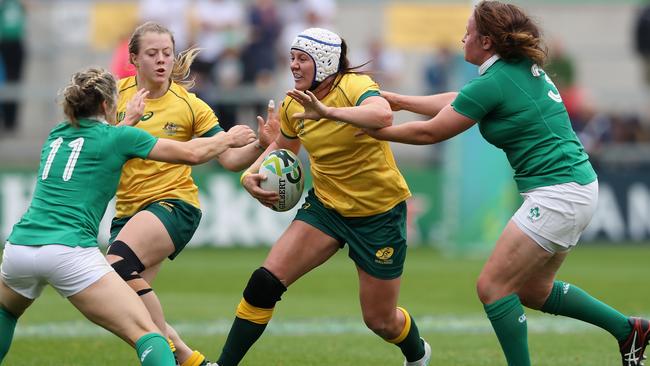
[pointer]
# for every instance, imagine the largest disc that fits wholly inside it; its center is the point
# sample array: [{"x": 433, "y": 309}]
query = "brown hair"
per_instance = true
[
  {"x": 182, "y": 61},
  {"x": 512, "y": 32},
  {"x": 87, "y": 90}
]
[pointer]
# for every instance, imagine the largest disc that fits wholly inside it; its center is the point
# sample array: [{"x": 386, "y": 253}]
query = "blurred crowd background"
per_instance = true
[
  {"x": 599, "y": 53},
  {"x": 462, "y": 189}
]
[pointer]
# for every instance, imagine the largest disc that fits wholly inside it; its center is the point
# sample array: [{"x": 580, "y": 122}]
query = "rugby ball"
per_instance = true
[{"x": 284, "y": 175}]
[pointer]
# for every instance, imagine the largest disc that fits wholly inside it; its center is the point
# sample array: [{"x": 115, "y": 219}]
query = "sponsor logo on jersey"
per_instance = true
[
  {"x": 384, "y": 255},
  {"x": 170, "y": 128},
  {"x": 122, "y": 115},
  {"x": 146, "y": 116}
]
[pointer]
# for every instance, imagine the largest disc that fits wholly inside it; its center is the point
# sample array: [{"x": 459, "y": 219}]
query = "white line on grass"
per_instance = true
[{"x": 426, "y": 324}]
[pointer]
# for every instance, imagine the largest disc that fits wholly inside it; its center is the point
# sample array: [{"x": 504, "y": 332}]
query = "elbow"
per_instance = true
[{"x": 385, "y": 119}]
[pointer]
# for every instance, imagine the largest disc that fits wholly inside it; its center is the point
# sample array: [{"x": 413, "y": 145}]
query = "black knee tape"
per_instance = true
[
  {"x": 144, "y": 291},
  {"x": 263, "y": 289},
  {"x": 129, "y": 263}
]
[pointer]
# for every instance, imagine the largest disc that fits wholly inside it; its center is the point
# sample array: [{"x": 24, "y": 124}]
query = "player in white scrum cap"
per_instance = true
[{"x": 358, "y": 198}]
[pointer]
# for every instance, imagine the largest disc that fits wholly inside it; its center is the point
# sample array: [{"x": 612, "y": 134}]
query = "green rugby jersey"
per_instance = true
[
  {"x": 78, "y": 175},
  {"x": 520, "y": 111}
]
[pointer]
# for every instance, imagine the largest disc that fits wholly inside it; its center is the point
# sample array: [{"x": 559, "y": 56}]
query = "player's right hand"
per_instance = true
[
  {"x": 241, "y": 135},
  {"x": 251, "y": 183}
]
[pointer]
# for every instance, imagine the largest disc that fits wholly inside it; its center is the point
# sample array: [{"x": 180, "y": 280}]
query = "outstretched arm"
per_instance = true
[
  {"x": 200, "y": 150},
  {"x": 428, "y": 105},
  {"x": 268, "y": 131},
  {"x": 373, "y": 112},
  {"x": 446, "y": 124}
]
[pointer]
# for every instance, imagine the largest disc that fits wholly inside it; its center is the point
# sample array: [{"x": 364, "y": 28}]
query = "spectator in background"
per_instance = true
[
  {"x": 642, "y": 40},
  {"x": 218, "y": 29},
  {"x": 561, "y": 68},
  {"x": 439, "y": 71},
  {"x": 121, "y": 67},
  {"x": 259, "y": 55},
  {"x": 173, "y": 14},
  {"x": 12, "y": 55},
  {"x": 383, "y": 63}
]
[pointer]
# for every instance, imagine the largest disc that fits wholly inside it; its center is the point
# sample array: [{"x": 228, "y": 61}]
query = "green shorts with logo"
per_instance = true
[
  {"x": 377, "y": 243},
  {"x": 179, "y": 217}
]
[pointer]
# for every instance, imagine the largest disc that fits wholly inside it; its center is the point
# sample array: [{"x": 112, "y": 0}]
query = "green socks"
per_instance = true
[
  {"x": 153, "y": 350},
  {"x": 571, "y": 301},
  {"x": 409, "y": 340},
  {"x": 241, "y": 337},
  {"x": 509, "y": 322},
  {"x": 7, "y": 326}
]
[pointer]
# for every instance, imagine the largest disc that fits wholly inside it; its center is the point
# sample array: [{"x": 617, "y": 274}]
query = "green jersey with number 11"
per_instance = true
[
  {"x": 520, "y": 111},
  {"x": 78, "y": 175}
]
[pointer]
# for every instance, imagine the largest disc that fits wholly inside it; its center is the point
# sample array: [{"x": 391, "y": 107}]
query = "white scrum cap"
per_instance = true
[{"x": 324, "y": 47}]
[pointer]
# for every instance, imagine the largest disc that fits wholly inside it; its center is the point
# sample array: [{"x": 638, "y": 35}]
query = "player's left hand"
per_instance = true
[
  {"x": 135, "y": 108},
  {"x": 314, "y": 108}
]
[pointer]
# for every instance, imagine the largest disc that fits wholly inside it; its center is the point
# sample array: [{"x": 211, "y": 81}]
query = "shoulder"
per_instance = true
[
  {"x": 126, "y": 84},
  {"x": 357, "y": 80},
  {"x": 189, "y": 98}
]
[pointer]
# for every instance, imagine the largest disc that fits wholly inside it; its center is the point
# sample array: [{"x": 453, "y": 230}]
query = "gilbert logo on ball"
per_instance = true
[{"x": 284, "y": 175}]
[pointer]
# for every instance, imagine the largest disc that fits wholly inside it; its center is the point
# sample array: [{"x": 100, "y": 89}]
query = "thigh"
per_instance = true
[
  {"x": 378, "y": 297},
  {"x": 112, "y": 304},
  {"x": 299, "y": 249},
  {"x": 14, "y": 302},
  {"x": 378, "y": 242},
  {"x": 146, "y": 235}
]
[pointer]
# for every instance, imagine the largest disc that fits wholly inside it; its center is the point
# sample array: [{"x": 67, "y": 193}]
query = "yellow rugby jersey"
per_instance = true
[
  {"x": 177, "y": 115},
  {"x": 356, "y": 176}
]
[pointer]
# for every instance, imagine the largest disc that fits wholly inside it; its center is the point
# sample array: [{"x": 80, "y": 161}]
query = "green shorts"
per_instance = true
[
  {"x": 179, "y": 217},
  {"x": 377, "y": 243}
]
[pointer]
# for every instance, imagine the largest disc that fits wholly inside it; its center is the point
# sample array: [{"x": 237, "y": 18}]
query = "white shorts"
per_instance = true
[
  {"x": 27, "y": 269},
  {"x": 555, "y": 216}
]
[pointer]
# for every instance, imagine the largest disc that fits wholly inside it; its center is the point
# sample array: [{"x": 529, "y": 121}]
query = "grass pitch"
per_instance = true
[{"x": 318, "y": 322}]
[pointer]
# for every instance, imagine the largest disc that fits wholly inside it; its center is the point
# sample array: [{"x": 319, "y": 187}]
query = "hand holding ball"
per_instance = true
[{"x": 284, "y": 175}]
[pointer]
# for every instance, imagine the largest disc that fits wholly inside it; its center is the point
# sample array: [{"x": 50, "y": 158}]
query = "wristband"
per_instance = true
[
  {"x": 244, "y": 175},
  {"x": 259, "y": 146}
]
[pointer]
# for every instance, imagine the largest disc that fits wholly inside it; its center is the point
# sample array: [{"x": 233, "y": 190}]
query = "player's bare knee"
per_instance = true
[{"x": 264, "y": 289}]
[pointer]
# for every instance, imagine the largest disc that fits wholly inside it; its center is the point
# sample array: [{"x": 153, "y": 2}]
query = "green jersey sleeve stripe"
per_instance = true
[
  {"x": 367, "y": 94},
  {"x": 213, "y": 131}
]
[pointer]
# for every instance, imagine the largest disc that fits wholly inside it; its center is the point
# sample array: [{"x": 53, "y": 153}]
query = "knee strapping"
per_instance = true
[
  {"x": 263, "y": 289},
  {"x": 130, "y": 266}
]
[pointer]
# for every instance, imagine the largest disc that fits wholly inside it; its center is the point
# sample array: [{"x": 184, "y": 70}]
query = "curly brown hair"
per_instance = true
[{"x": 513, "y": 33}]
